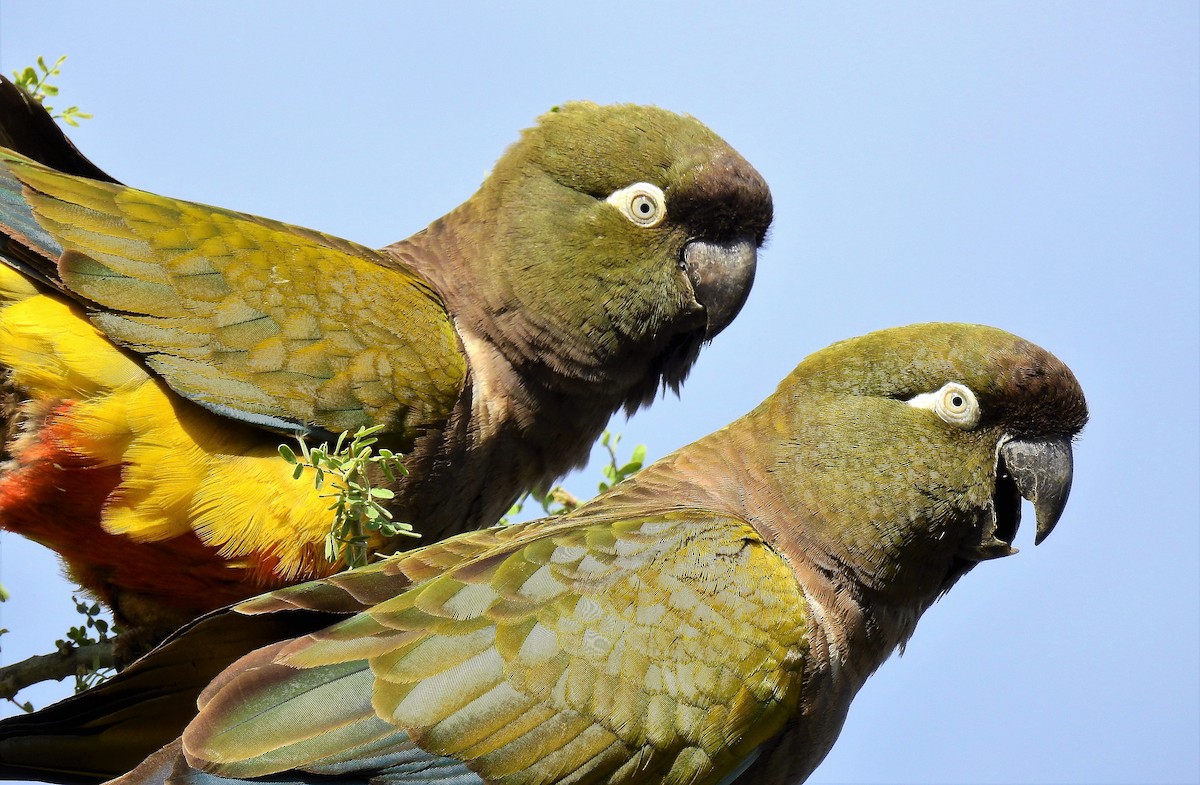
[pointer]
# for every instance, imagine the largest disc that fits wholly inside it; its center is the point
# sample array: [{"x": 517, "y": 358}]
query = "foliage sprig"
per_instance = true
[
  {"x": 94, "y": 630},
  {"x": 615, "y": 471},
  {"x": 36, "y": 82},
  {"x": 358, "y": 504}
]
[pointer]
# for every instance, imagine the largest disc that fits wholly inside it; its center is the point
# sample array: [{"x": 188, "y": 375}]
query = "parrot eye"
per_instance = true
[
  {"x": 642, "y": 203},
  {"x": 954, "y": 403}
]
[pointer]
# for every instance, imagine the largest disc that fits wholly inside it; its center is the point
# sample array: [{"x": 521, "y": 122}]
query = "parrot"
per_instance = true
[
  {"x": 706, "y": 621},
  {"x": 155, "y": 353}
]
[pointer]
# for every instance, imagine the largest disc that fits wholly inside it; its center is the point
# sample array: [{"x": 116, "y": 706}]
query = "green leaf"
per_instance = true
[{"x": 357, "y": 510}]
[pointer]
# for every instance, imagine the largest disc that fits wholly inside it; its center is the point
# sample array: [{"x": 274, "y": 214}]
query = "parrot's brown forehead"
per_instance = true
[
  {"x": 724, "y": 194},
  {"x": 1023, "y": 385},
  {"x": 1018, "y": 382},
  {"x": 1039, "y": 393},
  {"x": 599, "y": 149}
]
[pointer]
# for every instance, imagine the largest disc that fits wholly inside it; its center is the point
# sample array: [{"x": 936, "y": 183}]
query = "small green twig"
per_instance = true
[
  {"x": 358, "y": 504},
  {"x": 94, "y": 631},
  {"x": 616, "y": 471},
  {"x": 36, "y": 82},
  {"x": 86, "y": 653},
  {"x": 77, "y": 661}
]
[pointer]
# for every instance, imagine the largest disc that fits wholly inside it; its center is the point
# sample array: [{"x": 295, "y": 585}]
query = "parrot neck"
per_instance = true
[
  {"x": 863, "y": 612},
  {"x": 498, "y": 434},
  {"x": 496, "y": 437},
  {"x": 589, "y": 367}
]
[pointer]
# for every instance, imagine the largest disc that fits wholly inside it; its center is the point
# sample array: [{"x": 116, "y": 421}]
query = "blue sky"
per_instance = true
[{"x": 1033, "y": 166}]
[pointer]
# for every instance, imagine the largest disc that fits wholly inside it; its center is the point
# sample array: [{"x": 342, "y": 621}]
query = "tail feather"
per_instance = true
[
  {"x": 155, "y": 770},
  {"x": 111, "y": 728},
  {"x": 168, "y": 766}
]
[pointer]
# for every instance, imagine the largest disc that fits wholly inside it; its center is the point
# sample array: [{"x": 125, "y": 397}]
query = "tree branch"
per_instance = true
[{"x": 72, "y": 661}]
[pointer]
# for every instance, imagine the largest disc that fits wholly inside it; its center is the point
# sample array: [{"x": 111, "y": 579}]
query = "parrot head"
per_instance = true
[
  {"x": 914, "y": 447},
  {"x": 625, "y": 236}
]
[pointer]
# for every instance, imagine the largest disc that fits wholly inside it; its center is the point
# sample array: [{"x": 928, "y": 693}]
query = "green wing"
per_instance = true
[
  {"x": 107, "y": 730},
  {"x": 669, "y": 645},
  {"x": 267, "y": 322}
]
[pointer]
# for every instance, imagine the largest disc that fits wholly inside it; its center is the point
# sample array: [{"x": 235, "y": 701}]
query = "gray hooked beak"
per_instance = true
[
  {"x": 721, "y": 274},
  {"x": 1042, "y": 472}
]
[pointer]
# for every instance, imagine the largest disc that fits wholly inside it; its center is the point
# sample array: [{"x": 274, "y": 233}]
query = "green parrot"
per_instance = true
[
  {"x": 153, "y": 350},
  {"x": 708, "y": 620}
]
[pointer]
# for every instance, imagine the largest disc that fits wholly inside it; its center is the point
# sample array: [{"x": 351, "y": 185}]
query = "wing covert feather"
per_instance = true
[
  {"x": 671, "y": 644},
  {"x": 251, "y": 317}
]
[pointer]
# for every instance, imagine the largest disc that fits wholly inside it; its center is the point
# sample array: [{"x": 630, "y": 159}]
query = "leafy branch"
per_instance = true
[
  {"x": 615, "y": 471},
  {"x": 82, "y": 662},
  {"x": 36, "y": 82},
  {"x": 86, "y": 654},
  {"x": 95, "y": 631},
  {"x": 358, "y": 505}
]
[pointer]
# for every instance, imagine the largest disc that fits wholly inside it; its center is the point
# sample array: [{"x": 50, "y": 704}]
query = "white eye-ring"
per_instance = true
[
  {"x": 954, "y": 403},
  {"x": 642, "y": 203}
]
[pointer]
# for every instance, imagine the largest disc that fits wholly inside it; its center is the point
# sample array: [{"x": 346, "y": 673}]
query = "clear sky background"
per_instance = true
[{"x": 1033, "y": 166}]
